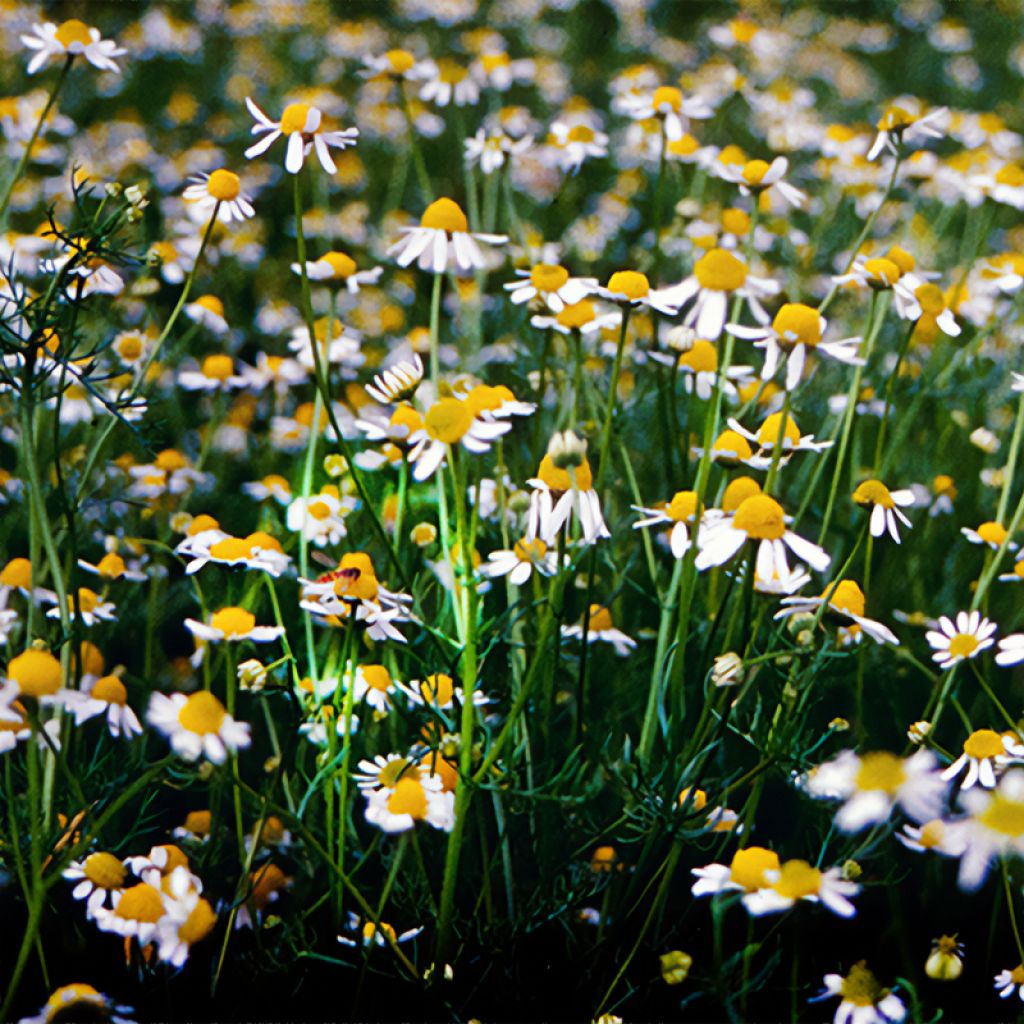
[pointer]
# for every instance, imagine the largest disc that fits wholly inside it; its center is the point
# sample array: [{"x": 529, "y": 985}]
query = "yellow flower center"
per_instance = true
[
  {"x": 930, "y": 298},
  {"x": 223, "y": 185},
  {"x": 319, "y": 510},
  {"x": 200, "y": 523},
  {"x": 1003, "y": 816},
  {"x": 104, "y": 870},
  {"x": 873, "y": 492},
  {"x": 406, "y": 416},
  {"x": 484, "y": 398},
  {"x": 667, "y": 96},
  {"x": 577, "y": 315},
  {"x": 931, "y": 833},
  {"x": 202, "y": 713},
  {"x": 761, "y": 518},
  {"x": 963, "y": 645},
  {"x": 732, "y": 154},
  {"x": 438, "y": 689},
  {"x": 140, "y": 903},
  {"x": 686, "y": 145},
  {"x": 409, "y": 797},
  {"x": 731, "y": 447},
  {"x": 798, "y": 324},
  {"x": 881, "y": 771},
  {"x": 895, "y": 119},
  {"x": 903, "y": 259},
  {"x": 230, "y": 549},
  {"x": 198, "y": 823},
  {"x": 580, "y": 133},
  {"x": 882, "y": 272},
  {"x": 738, "y": 491},
  {"x": 983, "y": 743},
  {"x": 91, "y": 659},
  {"x": 259, "y": 539},
  {"x": 390, "y": 775},
  {"x": 548, "y": 277},
  {"x": 111, "y": 566},
  {"x": 67, "y": 998},
  {"x": 735, "y": 222},
  {"x": 17, "y": 573},
  {"x": 219, "y": 367},
  {"x": 530, "y": 550},
  {"x": 450, "y": 72},
  {"x": 698, "y": 801},
  {"x": 846, "y": 596},
  {"x": 73, "y": 31},
  {"x": 630, "y": 283},
  {"x": 861, "y": 988},
  {"x": 342, "y": 265},
  {"x": 294, "y": 118},
  {"x": 682, "y": 507},
  {"x": 701, "y": 358},
  {"x": 1010, "y": 174},
  {"x": 559, "y": 480},
  {"x": 600, "y": 619},
  {"x": 743, "y": 30},
  {"x": 798, "y": 879},
  {"x": 754, "y": 171},
  {"x": 444, "y": 215},
  {"x": 37, "y": 673},
  {"x": 111, "y": 690},
  {"x": 377, "y": 677},
  {"x": 233, "y": 622},
  {"x": 720, "y": 271},
  {"x": 492, "y": 62},
  {"x": 400, "y": 61},
  {"x": 991, "y": 533},
  {"x": 448, "y": 420},
  {"x": 769, "y": 432},
  {"x": 749, "y": 865},
  {"x": 199, "y": 923},
  {"x": 211, "y": 304}
]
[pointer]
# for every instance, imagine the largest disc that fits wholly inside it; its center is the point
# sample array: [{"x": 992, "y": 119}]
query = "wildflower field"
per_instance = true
[{"x": 511, "y": 510}]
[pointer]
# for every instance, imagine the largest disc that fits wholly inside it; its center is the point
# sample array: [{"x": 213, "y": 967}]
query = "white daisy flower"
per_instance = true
[
  {"x": 154, "y": 866},
  {"x": 717, "y": 276},
  {"x": 79, "y": 1002},
  {"x": 750, "y": 870},
  {"x": 303, "y": 125},
  {"x": 88, "y": 607},
  {"x": 370, "y": 935},
  {"x": 274, "y": 487},
  {"x": 862, "y": 999},
  {"x": 320, "y": 518},
  {"x": 600, "y": 628},
  {"x": 994, "y": 827},
  {"x": 669, "y": 105},
  {"x": 491, "y": 150},
  {"x": 845, "y": 599},
  {"x": 757, "y": 176},
  {"x": 985, "y": 750},
  {"x": 373, "y": 683},
  {"x": 104, "y": 696},
  {"x": 448, "y": 422},
  {"x": 558, "y": 494},
  {"x": 569, "y": 145},
  {"x": 798, "y": 880},
  {"x": 678, "y": 513},
  {"x": 197, "y": 725},
  {"x": 917, "y": 300},
  {"x": 872, "y": 784},
  {"x": 768, "y": 435},
  {"x": 339, "y": 266},
  {"x": 761, "y": 519},
  {"x": 221, "y": 187},
  {"x": 519, "y": 562},
  {"x": 233, "y": 624},
  {"x": 897, "y": 125},
  {"x": 256, "y": 551},
  {"x": 100, "y": 877},
  {"x": 993, "y": 535},
  {"x": 441, "y": 240},
  {"x": 885, "y": 507},
  {"x": 136, "y": 912},
  {"x": 550, "y": 284},
  {"x": 415, "y": 797},
  {"x": 215, "y": 373},
  {"x": 696, "y": 359},
  {"x": 796, "y": 329},
  {"x": 69, "y": 39},
  {"x": 207, "y": 310},
  {"x": 188, "y": 917},
  {"x": 951, "y": 643},
  {"x": 932, "y": 835},
  {"x": 439, "y": 691},
  {"x": 445, "y": 81},
  {"x": 1007, "y": 982}
]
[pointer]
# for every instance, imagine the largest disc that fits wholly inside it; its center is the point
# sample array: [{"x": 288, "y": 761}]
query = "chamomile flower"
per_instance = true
[
  {"x": 769, "y": 434},
  {"x": 256, "y": 551},
  {"x": 440, "y": 692},
  {"x": 796, "y": 330},
  {"x": 100, "y": 878},
  {"x": 898, "y": 125},
  {"x": 550, "y": 285},
  {"x": 208, "y": 310},
  {"x": 569, "y": 146},
  {"x": 931, "y": 835},
  {"x": 985, "y": 750},
  {"x": 601, "y": 628},
  {"x": 1011, "y": 649},
  {"x": 757, "y": 176},
  {"x": 415, "y": 797},
  {"x": 519, "y": 562},
  {"x": 991, "y": 534},
  {"x": 445, "y": 81},
  {"x": 670, "y": 106},
  {"x": 320, "y": 518},
  {"x": 925, "y": 303},
  {"x": 373, "y": 683},
  {"x": 491, "y": 150},
  {"x": 679, "y": 513},
  {"x": 272, "y": 487},
  {"x": 717, "y": 276},
  {"x": 233, "y": 624},
  {"x": 79, "y": 1001},
  {"x": 449, "y": 422},
  {"x": 967, "y": 638},
  {"x": 885, "y": 507},
  {"x": 215, "y": 373},
  {"x": 303, "y": 124},
  {"x": 113, "y": 567},
  {"x": 796, "y": 880},
  {"x": 223, "y": 189},
  {"x": 631, "y": 290},
  {"x": 339, "y": 266},
  {"x": 197, "y": 725},
  {"x": 759, "y": 519},
  {"x": 154, "y": 866},
  {"x": 863, "y": 1000},
  {"x": 872, "y": 784},
  {"x": 994, "y": 827},
  {"x": 266, "y": 884},
  {"x": 397, "y": 383},
  {"x": 845, "y": 600},
  {"x": 136, "y": 912},
  {"x": 558, "y": 494},
  {"x": 106, "y": 696},
  {"x": 188, "y": 918},
  {"x": 442, "y": 240},
  {"x": 70, "y": 39},
  {"x": 1007, "y": 982},
  {"x": 750, "y": 870},
  {"x": 582, "y": 316},
  {"x": 370, "y": 935}
]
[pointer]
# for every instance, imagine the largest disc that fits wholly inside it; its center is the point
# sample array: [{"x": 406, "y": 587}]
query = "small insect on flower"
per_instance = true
[
  {"x": 862, "y": 999},
  {"x": 69, "y": 39},
  {"x": 885, "y": 507},
  {"x": 303, "y": 124},
  {"x": 796, "y": 330},
  {"x": 951, "y": 643},
  {"x": 442, "y": 240},
  {"x": 339, "y": 266},
  {"x": 600, "y": 628},
  {"x": 872, "y": 784},
  {"x": 220, "y": 190},
  {"x": 78, "y": 1001},
  {"x": 197, "y": 725}
]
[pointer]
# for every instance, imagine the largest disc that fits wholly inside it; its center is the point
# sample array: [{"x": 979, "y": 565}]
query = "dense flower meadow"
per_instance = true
[{"x": 511, "y": 510}]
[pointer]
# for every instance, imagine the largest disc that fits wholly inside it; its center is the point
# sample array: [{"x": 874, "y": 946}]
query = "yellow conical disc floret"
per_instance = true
[
  {"x": 444, "y": 215},
  {"x": 202, "y": 713},
  {"x": 720, "y": 271},
  {"x": 36, "y": 673},
  {"x": 798, "y": 324},
  {"x": 749, "y": 865},
  {"x": 294, "y": 118},
  {"x": 761, "y": 518},
  {"x": 630, "y": 283},
  {"x": 223, "y": 185}
]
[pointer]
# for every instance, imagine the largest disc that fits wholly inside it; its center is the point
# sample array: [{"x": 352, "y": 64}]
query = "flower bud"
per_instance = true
[
  {"x": 681, "y": 339},
  {"x": 728, "y": 669},
  {"x": 567, "y": 450},
  {"x": 675, "y": 967},
  {"x": 945, "y": 962},
  {"x": 918, "y": 732}
]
